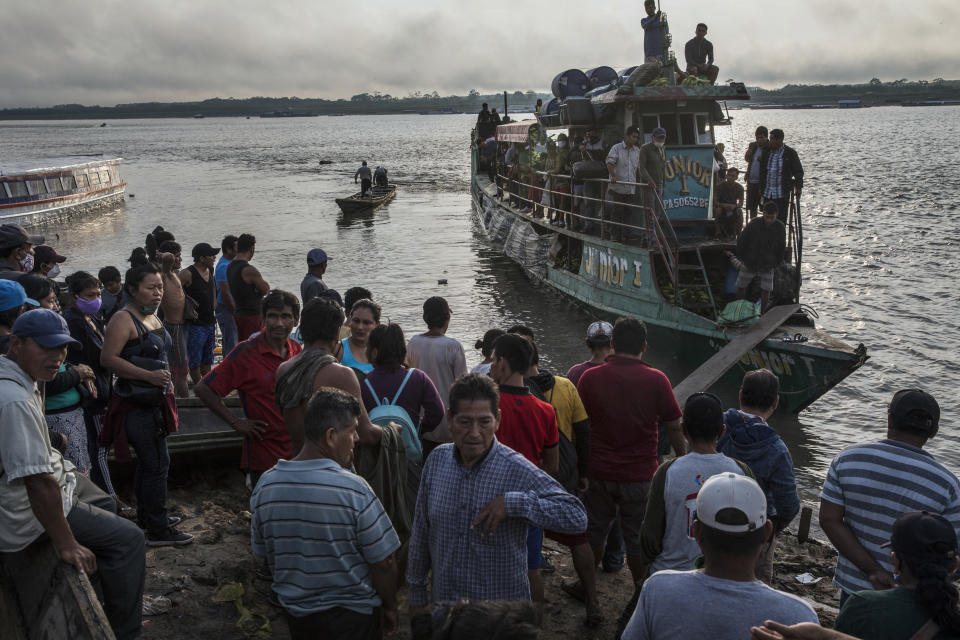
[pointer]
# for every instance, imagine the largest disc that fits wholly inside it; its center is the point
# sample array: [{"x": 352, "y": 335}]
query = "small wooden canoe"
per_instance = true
[{"x": 375, "y": 198}]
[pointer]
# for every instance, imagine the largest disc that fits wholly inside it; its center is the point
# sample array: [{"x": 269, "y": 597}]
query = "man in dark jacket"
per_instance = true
[
  {"x": 780, "y": 173},
  {"x": 754, "y": 157},
  {"x": 750, "y": 439},
  {"x": 760, "y": 249}
]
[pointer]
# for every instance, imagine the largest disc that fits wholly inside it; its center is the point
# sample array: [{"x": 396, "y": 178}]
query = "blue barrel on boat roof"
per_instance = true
[
  {"x": 552, "y": 108},
  {"x": 601, "y": 76},
  {"x": 571, "y": 82}
]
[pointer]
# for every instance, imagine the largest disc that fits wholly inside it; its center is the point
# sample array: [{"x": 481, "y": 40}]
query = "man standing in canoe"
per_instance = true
[{"x": 366, "y": 177}]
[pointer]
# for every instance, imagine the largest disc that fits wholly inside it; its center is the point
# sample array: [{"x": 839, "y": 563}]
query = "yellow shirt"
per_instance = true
[{"x": 568, "y": 405}]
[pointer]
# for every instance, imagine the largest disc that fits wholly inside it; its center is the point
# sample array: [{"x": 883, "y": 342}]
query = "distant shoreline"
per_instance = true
[{"x": 875, "y": 93}]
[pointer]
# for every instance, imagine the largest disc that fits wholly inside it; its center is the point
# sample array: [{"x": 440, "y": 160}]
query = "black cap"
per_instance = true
[
  {"x": 922, "y": 534},
  {"x": 915, "y": 409},
  {"x": 13, "y": 235},
  {"x": 203, "y": 250}
]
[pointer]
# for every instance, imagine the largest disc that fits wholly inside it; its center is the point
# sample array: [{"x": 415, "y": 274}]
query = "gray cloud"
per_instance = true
[{"x": 105, "y": 52}]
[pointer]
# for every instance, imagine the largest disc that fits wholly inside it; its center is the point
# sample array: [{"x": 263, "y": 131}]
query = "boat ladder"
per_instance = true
[{"x": 700, "y": 284}]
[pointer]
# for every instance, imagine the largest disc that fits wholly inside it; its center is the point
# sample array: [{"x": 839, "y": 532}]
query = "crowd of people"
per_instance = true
[{"x": 376, "y": 461}]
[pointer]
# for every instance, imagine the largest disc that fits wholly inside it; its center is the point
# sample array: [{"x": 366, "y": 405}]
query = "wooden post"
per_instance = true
[{"x": 803, "y": 530}]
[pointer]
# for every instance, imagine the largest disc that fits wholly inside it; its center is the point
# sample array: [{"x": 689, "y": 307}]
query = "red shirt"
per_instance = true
[
  {"x": 573, "y": 375},
  {"x": 250, "y": 369},
  {"x": 625, "y": 399},
  {"x": 527, "y": 425}
]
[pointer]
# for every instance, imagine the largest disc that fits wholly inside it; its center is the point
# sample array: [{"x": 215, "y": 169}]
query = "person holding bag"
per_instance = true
[{"x": 142, "y": 409}]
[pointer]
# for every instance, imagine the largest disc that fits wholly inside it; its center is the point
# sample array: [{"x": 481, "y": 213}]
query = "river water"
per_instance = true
[{"x": 880, "y": 252}]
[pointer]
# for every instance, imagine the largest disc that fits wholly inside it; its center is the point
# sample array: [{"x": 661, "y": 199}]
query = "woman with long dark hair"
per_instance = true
[
  {"x": 364, "y": 317},
  {"x": 142, "y": 409},
  {"x": 924, "y": 605},
  {"x": 86, "y": 327}
]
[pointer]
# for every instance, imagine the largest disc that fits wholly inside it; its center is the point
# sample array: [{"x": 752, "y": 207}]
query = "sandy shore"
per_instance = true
[{"x": 183, "y": 582}]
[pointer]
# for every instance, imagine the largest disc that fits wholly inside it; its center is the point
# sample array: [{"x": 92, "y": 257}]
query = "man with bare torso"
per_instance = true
[
  {"x": 300, "y": 377},
  {"x": 172, "y": 308}
]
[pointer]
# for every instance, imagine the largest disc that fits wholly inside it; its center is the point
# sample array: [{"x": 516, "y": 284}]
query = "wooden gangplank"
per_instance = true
[{"x": 713, "y": 369}]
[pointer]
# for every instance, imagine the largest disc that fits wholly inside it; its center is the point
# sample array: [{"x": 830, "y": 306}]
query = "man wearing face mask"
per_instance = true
[
  {"x": 46, "y": 261},
  {"x": 16, "y": 247},
  {"x": 594, "y": 150}
]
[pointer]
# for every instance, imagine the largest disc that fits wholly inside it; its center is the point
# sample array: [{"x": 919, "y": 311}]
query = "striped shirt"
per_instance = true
[
  {"x": 464, "y": 563},
  {"x": 320, "y": 526},
  {"x": 774, "y": 189},
  {"x": 875, "y": 483}
]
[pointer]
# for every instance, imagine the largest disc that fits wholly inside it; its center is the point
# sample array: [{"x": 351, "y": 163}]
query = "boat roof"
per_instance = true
[
  {"x": 47, "y": 165},
  {"x": 732, "y": 91},
  {"x": 515, "y": 131}
]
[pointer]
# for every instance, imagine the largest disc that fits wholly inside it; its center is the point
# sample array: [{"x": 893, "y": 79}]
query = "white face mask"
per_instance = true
[
  {"x": 54, "y": 272},
  {"x": 562, "y": 145},
  {"x": 659, "y": 145}
]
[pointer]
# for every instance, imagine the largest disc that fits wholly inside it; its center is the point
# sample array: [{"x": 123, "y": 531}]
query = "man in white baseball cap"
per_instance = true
[{"x": 723, "y": 599}]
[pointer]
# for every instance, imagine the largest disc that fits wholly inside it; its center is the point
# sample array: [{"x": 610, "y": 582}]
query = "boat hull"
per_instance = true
[
  {"x": 52, "y": 194},
  {"x": 616, "y": 280},
  {"x": 357, "y": 204}
]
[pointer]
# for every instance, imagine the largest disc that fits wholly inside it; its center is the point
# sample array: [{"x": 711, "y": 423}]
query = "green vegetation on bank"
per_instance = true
[{"x": 875, "y": 92}]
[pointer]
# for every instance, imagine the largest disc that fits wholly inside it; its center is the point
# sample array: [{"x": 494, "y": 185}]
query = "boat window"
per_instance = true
[
  {"x": 81, "y": 180},
  {"x": 688, "y": 130},
  {"x": 36, "y": 186},
  {"x": 704, "y": 135},
  {"x": 17, "y": 189},
  {"x": 669, "y": 122},
  {"x": 649, "y": 124},
  {"x": 3, "y": 190},
  {"x": 104, "y": 177},
  {"x": 53, "y": 184},
  {"x": 69, "y": 183},
  {"x": 94, "y": 179}
]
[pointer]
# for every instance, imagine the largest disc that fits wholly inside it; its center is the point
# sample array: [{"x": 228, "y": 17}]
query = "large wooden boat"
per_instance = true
[
  {"x": 51, "y": 190},
  {"x": 671, "y": 274},
  {"x": 375, "y": 198}
]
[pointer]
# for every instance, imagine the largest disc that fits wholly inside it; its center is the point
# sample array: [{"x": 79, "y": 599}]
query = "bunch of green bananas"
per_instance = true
[{"x": 658, "y": 82}]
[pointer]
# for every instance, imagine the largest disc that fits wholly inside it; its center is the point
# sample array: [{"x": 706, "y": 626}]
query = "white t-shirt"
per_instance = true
[
  {"x": 443, "y": 360},
  {"x": 679, "y": 605}
]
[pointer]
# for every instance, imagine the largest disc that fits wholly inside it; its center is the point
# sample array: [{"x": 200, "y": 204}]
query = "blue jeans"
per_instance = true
[
  {"x": 228, "y": 330},
  {"x": 144, "y": 428}
]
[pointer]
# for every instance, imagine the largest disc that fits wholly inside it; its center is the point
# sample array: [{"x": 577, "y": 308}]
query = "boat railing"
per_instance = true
[
  {"x": 545, "y": 197},
  {"x": 795, "y": 239}
]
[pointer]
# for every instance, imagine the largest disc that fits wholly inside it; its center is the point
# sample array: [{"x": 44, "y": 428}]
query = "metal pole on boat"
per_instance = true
[{"x": 504, "y": 103}]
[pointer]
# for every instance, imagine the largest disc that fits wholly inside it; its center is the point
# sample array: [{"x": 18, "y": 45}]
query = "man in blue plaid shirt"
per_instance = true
[{"x": 477, "y": 498}]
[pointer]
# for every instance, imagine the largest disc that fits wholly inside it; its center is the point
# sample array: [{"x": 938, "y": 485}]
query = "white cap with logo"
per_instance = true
[
  {"x": 599, "y": 331},
  {"x": 741, "y": 496}
]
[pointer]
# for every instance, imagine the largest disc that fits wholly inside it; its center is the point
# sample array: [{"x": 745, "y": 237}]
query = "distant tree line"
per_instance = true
[
  {"x": 362, "y": 103},
  {"x": 875, "y": 91}
]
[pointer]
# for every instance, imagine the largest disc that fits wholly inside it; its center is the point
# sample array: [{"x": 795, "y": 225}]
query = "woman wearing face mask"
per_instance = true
[
  {"x": 46, "y": 261},
  {"x": 560, "y": 185},
  {"x": 135, "y": 348},
  {"x": 87, "y": 328}
]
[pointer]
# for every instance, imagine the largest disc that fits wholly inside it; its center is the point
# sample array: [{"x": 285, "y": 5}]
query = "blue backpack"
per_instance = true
[{"x": 386, "y": 412}]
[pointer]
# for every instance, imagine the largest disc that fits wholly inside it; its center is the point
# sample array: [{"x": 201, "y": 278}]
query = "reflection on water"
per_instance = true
[{"x": 880, "y": 236}]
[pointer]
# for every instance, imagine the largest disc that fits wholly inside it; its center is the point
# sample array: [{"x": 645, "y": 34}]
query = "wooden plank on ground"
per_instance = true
[{"x": 713, "y": 369}]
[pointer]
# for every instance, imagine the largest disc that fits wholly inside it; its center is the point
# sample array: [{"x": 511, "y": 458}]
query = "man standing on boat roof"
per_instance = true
[
  {"x": 366, "y": 178},
  {"x": 312, "y": 284},
  {"x": 623, "y": 165},
  {"x": 15, "y": 245},
  {"x": 780, "y": 173},
  {"x": 699, "y": 54},
  {"x": 654, "y": 28}
]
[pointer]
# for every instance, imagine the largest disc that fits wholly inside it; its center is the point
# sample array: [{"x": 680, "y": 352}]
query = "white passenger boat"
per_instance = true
[{"x": 56, "y": 188}]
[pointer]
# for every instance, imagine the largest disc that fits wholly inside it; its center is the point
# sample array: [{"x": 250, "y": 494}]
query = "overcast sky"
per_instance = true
[{"x": 110, "y": 51}]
